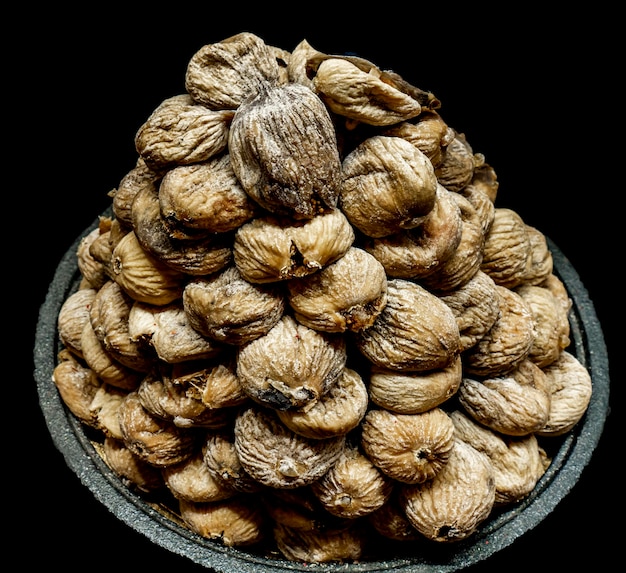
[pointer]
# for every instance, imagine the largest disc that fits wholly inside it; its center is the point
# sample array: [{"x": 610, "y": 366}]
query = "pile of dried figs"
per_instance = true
[{"x": 304, "y": 323}]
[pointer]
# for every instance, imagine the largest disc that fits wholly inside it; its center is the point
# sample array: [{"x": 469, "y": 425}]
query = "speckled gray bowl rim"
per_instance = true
[{"x": 494, "y": 534}]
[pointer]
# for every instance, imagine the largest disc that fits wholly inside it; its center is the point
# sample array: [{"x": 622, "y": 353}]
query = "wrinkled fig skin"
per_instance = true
[
  {"x": 292, "y": 366},
  {"x": 74, "y": 313},
  {"x": 418, "y": 252},
  {"x": 134, "y": 472},
  {"x": 231, "y": 310},
  {"x": 360, "y": 95},
  {"x": 409, "y": 448},
  {"x": 181, "y": 132},
  {"x": 234, "y": 522},
  {"x": 346, "y": 544},
  {"x": 507, "y": 343},
  {"x": 416, "y": 331},
  {"x": 284, "y": 152},
  {"x": 277, "y": 457},
  {"x": 109, "y": 317},
  {"x": 168, "y": 331},
  {"x": 204, "y": 197},
  {"x": 476, "y": 307},
  {"x": 353, "y": 487},
  {"x": 270, "y": 249},
  {"x": 570, "y": 387},
  {"x": 457, "y": 500},
  {"x": 336, "y": 413},
  {"x": 388, "y": 185},
  {"x": 456, "y": 168},
  {"x": 346, "y": 295},
  {"x": 156, "y": 441},
  {"x": 224, "y": 74},
  {"x": 518, "y": 464},
  {"x": 201, "y": 256},
  {"x": 77, "y": 385},
  {"x": 514, "y": 404},
  {"x": 191, "y": 481},
  {"x": 414, "y": 392}
]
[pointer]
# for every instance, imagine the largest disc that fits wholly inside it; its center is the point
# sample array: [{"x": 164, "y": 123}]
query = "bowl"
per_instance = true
[{"x": 570, "y": 455}]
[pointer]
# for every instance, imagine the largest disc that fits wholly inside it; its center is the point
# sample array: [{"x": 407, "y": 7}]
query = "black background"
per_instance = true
[{"x": 531, "y": 92}]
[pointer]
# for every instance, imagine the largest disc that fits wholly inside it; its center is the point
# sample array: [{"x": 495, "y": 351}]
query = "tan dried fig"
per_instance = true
[
  {"x": 388, "y": 185},
  {"x": 190, "y": 480},
  {"x": 204, "y": 197},
  {"x": 199, "y": 256},
  {"x": 476, "y": 306},
  {"x": 410, "y": 448},
  {"x": 284, "y": 152},
  {"x": 137, "y": 178},
  {"x": 234, "y": 522},
  {"x": 277, "y": 457},
  {"x": 215, "y": 382},
  {"x": 91, "y": 269},
  {"x": 163, "y": 398},
  {"x": 515, "y": 404},
  {"x": 353, "y": 487},
  {"x": 156, "y": 441},
  {"x": 105, "y": 366},
  {"x": 168, "y": 331},
  {"x": 77, "y": 385},
  {"x": 507, "y": 343},
  {"x": 362, "y": 95},
  {"x": 299, "y": 508},
  {"x": 347, "y": 294},
  {"x": 417, "y": 252},
  {"x": 224, "y": 74},
  {"x": 105, "y": 405},
  {"x": 337, "y": 412},
  {"x": 552, "y": 326},
  {"x": 428, "y": 132},
  {"x": 143, "y": 277},
  {"x": 414, "y": 392},
  {"x": 268, "y": 249},
  {"x": 73, "y": 315},
  {"x": 222, "y": 461},
  {"x": 109, "y": 317},
  {"x": 229, "y": 309},
  {"x": 346, "y": 544},
  {"x": 506, "y": 250},
  {"x": 484, "y": 181},
  {"x": 390, "y": 520},
  {"x": 416, "y": 331},
  {"x": 457, "y": 500},
  {"x": 181, "y": 132},
  {"x": 518, "y": 462},
  {"x": 465, "y": 262},
  {"x": 133, "y": 471},
  {"x": 570, "y": 388},
  {"x": 292, "y": 366},
  {"x": 456, "y": 168},
  {"x": 540, "y": 263}
]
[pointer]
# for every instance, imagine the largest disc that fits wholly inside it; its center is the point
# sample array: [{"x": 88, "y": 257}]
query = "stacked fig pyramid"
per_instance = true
[{"x": 304, "y": 325}]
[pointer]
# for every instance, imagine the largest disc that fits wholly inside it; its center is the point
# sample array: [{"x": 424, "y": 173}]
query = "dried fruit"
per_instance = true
[
  {"x": 306, "y": 323},
  {"x": 451, "y": 505},
  {"x": 410, "y": 448},
  {"x": 283, "y": 150},
  {"x": 416, "y": 331},
  {"x": 388, "y": 185},
  {"x": 346, "y": 295},
  {"x": 277, "y": 457},
  {"x": 229, "y": 309},
  {"x": 292, "y": 366},
  {"x": 268, "y": 249}
]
